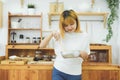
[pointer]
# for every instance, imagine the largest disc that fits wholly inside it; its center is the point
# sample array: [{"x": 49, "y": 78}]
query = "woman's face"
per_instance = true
[{"x": 70, "y": 27}]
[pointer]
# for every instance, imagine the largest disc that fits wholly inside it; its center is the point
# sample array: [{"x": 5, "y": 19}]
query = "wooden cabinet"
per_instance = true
[
  {"x": 100, "y": 72},
  {"x": 26, "y": 72},
  {"x": 44, "y": 72},
  {"x": 100, "y": 75},
  {"x": 30, "y": 74},
  {"x": 119, "y": 74},
  {"x": 4, "y": 74},
  {"x": 100, "y": 53},
  {"x": 55, "y": 16}
]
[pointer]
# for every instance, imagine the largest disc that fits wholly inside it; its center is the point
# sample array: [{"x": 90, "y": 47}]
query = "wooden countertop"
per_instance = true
[
  {"x": 86, "y": 66},
  {"x": 100, "y": 66},
  {"x": 49, "y": 66},
  {"x": 26, "y": 66}
]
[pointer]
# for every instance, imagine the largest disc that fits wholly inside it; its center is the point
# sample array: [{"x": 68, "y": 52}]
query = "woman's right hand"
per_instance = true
[
  {"x": 56, "y": 35},
  {"x": 83, "y": 55}
]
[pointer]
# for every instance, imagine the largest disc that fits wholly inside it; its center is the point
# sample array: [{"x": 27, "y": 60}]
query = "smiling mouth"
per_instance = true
[{"x": 70, "y": 30}]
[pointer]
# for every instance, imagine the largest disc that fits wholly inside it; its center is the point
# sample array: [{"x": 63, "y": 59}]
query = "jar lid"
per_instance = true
[
  {"x": 38, "y": 37},
  {"x": 34, "y": 37},
  {"x": 27, "y": 37}
]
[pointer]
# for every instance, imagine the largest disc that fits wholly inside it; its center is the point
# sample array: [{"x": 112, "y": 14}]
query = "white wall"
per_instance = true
[
  {"x": 98, "y": 31},
  {"x": 118, "y": 38}
]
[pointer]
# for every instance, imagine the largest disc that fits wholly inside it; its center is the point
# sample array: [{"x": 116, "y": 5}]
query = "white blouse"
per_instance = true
[{"x": 67, "y": 52}]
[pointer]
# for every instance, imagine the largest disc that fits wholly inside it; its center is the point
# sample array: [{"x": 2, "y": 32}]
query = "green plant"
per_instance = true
[
  {"x": 31, "y": 6},
  {"x": 113, "y": 5}
]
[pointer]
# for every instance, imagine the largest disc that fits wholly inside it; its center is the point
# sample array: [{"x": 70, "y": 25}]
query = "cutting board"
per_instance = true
[{"x": 21, "y": 62}]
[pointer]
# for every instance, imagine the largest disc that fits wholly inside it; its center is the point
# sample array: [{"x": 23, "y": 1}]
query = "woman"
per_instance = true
[{"x": 71, "y": 47}]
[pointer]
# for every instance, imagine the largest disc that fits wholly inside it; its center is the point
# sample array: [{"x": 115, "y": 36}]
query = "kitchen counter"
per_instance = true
[
  {"x": 100, "y": 71},
  {"x": 43, "y": 71}
]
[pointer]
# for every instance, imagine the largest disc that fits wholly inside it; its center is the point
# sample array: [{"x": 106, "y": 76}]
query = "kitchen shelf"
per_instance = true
[
  {"x": 24, "y": 29},
  {"x": 26, "y": 47},
  {"x": 30, "y": 19},
  {"x": 24, "y": 15},
  {"x": 23, "y": 43},
  {"x": 103, "y": 14}
]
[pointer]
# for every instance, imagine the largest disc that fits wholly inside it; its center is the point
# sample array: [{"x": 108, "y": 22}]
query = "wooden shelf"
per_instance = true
[
  {"x": 23, "y": 43},
  {"x": 24, "y": 15},
  {"x": 26, "y": 47},
  {"x": 103, "y": 14},
  {"x": 102, "y": 47},
  {"x": 24, "y": 28},
  {"x": 92, "y": 13}
]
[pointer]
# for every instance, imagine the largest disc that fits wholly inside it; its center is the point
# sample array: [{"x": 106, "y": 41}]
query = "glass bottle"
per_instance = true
[{"x": 21, "y": 38}]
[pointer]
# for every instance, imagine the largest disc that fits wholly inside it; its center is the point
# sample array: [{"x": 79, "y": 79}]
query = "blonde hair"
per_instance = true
[{"x": 66, "y": 18}]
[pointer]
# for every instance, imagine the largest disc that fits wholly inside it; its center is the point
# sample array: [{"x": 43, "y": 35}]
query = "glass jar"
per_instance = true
[
  {"x": 93, "y": 56},
  {"x": 38, "y": 56},
  {"x": 27, "y": 40},
  {"x": 38, "y": 39},
  {"x": 34, "y": 40},
  {"x": 46, "y": 58},
  {"x": 21, "y": 38}
]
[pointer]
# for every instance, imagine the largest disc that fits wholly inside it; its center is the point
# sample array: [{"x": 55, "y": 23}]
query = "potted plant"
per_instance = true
[
  {"x": 31, "y": 9},
  {"x": 31, "y": 6},
  {"x": 113, "y": 5}
]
